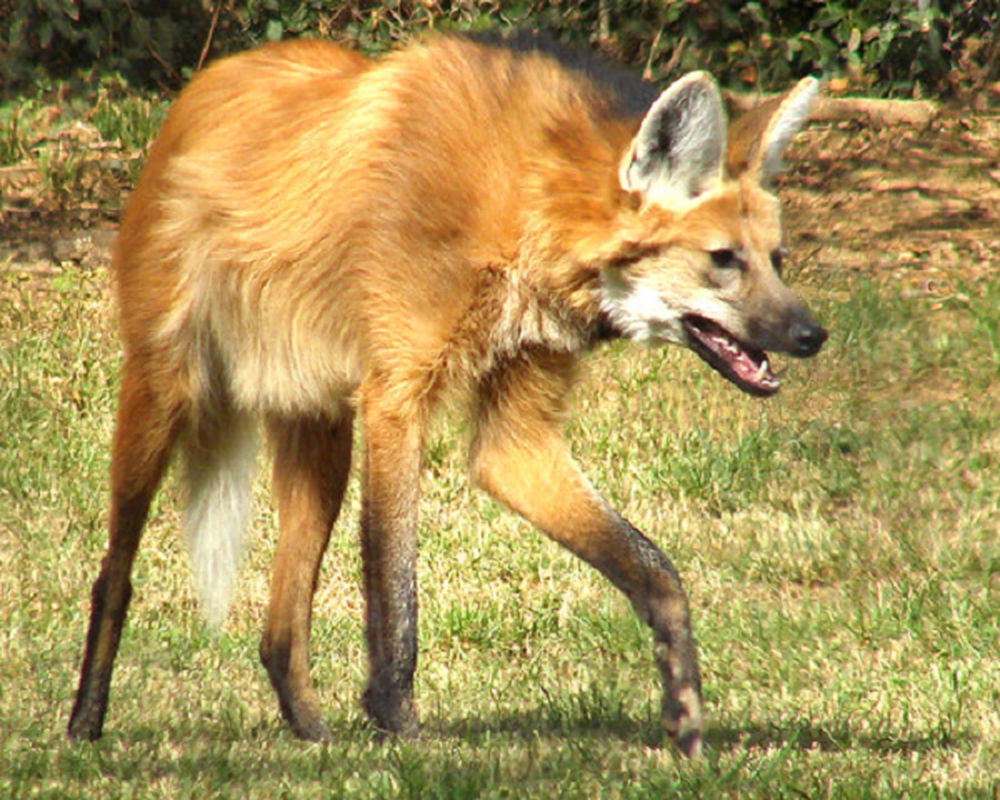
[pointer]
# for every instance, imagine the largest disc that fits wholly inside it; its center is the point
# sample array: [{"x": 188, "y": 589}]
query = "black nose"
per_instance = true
[{"x": 807, "y": 338}]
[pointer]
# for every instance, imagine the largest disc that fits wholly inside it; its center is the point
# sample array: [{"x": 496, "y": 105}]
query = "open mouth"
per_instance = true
[{"x": 746, "y": 366}]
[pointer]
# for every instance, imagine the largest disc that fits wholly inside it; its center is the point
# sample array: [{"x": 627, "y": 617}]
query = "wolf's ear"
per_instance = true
[
  {"x": 678, "y": 151},
  {"x": 758, "y": 138}
]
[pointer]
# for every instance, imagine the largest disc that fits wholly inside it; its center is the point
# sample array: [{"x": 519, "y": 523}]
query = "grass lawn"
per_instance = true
[{"x": 839, "y": 543}]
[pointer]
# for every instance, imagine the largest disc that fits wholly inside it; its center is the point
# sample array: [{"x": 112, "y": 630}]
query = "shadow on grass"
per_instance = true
[
  {"x": 830, "y": 738},
  {"x": 129, "y": 750},
  {"x": 797, "y": 735}
]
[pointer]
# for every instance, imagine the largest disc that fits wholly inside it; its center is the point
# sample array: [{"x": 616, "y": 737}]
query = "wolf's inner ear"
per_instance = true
[
  {"x": 678, "y": 151},
  {"x": 759, "y": 137}
]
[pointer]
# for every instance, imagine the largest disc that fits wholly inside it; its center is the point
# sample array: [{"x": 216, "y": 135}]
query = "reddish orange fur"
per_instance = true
[{"x": 313, "y": 233}]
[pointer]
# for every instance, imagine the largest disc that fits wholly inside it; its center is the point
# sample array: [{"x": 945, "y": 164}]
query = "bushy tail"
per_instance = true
[{"x": 218, "y": 478}]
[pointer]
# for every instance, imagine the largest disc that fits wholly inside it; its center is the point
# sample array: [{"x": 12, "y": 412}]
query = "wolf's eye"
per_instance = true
[
  {"x": 726, "y": 259},
  {"x": 777, "y": 259}
]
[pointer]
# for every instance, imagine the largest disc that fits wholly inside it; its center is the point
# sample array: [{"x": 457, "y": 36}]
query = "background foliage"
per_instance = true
[{"x": 887, "y": 47}]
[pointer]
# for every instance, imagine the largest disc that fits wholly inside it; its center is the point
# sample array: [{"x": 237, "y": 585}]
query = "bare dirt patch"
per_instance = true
[{"x": 918, "y": 208}]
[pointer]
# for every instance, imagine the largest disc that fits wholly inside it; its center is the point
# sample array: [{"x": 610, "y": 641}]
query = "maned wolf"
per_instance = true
[{"x": 317, "y": 235}]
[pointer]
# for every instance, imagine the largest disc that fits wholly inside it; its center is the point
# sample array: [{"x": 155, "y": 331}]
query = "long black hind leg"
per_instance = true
[{"x": 147, "y": 428}]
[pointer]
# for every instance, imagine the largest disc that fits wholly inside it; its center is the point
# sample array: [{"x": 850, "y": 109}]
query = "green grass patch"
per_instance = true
[
  {"x": 839, "y": 544},
  {"x": 80, "y": 137},
  {"x": 129, "y": 119}
]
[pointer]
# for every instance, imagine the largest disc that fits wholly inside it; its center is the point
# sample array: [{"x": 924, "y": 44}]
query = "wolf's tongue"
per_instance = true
[{"x": 745, "y": 366}]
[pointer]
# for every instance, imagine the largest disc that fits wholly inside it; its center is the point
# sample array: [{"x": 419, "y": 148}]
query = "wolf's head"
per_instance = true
[{"x": 699, "y": 253}]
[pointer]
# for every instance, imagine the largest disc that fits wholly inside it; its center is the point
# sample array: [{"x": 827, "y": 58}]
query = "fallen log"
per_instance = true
[{"x": 874, "y": 112}]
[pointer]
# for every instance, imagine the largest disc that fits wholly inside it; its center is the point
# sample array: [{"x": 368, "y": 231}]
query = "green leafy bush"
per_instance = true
[
  {"x": 888, "y": 47},
  {"x": 149, "y": 41}
]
